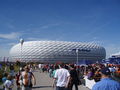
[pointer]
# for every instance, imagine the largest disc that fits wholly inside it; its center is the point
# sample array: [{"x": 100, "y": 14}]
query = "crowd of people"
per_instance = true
[
  {"x": 24, "y": 78},
  {"x": 65, "y": 76}
]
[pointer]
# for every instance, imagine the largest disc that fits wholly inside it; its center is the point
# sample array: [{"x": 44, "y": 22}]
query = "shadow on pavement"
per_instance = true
[{"x": 41, "y": 87}]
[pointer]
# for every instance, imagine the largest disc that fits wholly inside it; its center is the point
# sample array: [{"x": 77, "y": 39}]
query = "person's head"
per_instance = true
[
  {"x": 66, "y": 66},
  {"x": 56, "y": 67},
  {"x": 5, "y": 74},
  {"x": 105, "y": 72},
  {"x": 72, "y": 65},
  {"x": 26, "y": 68},
  {"x": 62, "y": 65},
  {"x": 9, "y": 77}
]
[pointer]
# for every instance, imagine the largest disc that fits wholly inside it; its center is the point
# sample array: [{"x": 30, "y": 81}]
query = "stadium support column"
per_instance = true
[{"x": 21, "y": 42}]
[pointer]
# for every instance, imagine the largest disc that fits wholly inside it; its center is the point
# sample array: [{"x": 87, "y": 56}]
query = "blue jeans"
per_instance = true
[
  {"x": 26, "y": 88},
  {"x": 60, "y": 88}
]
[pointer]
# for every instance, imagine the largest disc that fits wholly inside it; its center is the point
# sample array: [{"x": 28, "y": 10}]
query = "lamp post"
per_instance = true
[
  {"x": 77, "y": 50},
  {"x": 77, "y": 54},
  {"x": 21, "y": 42}
]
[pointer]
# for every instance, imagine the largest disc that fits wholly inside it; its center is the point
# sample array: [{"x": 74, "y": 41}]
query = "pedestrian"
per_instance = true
[
  {"x": 12, "y": 70},
  {"x": 74, "y": 78},
  {"x": 9, "y": 83},
  {"x": 106, "y": 83},
  {"x": 4, "y": 79},
  {"x": 17, "y": 77},
  {"x": 62, "y": 76},
  {"x": 40, "y": 67},
  {"x": 53, "y": 74},
  {"x": 27, "y": 77}
]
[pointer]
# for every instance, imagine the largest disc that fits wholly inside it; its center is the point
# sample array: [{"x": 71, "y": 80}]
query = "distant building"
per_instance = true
[
  {"x": 116, "y": 55},
  {"x": 114, "y": 58},
  {"x": 57, "y": 51}
]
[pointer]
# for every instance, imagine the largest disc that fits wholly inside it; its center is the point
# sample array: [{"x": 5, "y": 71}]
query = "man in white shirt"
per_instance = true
[{"x": 62, "y": 76}]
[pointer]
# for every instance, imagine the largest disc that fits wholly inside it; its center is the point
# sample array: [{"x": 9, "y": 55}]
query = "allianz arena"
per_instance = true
[{"x": 56, "y": 51}]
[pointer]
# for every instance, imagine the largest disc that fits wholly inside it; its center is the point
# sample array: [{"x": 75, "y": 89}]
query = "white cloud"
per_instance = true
[
  {"x": 45, "y": 26},
  {"x": 13, "y": 35},
  {"x": 31, "y": 39},
  {"x": 49, "y": 25},
  {"x": 37, "y": 39},
  {"x": 11, "y": 44}
]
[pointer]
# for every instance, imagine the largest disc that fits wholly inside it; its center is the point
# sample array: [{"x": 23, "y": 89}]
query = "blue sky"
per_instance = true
[{"x": 95, "y": 21}]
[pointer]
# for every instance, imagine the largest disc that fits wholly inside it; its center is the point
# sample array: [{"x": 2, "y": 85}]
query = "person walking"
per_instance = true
[
  {"x": 53, "y": 74},
  {"x": 106, "y": 82},
  {"x": 9, "y": 83},
  {"x": 62, "y": 76},
  {"x": 74, "y": 78},
  {"x": 27, "y": 78}
]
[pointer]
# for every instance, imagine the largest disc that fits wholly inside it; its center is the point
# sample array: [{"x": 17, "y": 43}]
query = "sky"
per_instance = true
[{"x": 95, "y": 21}]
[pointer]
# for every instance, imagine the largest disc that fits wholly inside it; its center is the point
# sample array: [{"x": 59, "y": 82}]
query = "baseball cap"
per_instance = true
[{"x": 105, "y": 71}]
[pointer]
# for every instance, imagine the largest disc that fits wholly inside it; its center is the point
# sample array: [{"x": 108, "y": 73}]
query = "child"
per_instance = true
[
  {"x": 9, "y": 83},
  {"x": 4, "y": 79}
]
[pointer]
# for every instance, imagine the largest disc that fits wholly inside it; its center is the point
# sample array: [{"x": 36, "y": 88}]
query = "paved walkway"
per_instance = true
[{"x": 43, "y": 82}]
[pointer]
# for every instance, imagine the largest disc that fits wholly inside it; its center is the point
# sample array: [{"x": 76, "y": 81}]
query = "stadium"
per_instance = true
[{"x": 57, "y": 51}]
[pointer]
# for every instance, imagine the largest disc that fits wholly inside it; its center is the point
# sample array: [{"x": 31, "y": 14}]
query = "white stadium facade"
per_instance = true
[{"x": 56, "y": 51}]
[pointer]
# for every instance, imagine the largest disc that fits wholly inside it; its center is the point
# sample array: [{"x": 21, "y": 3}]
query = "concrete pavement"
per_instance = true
[{"x": 43, "y": 82}]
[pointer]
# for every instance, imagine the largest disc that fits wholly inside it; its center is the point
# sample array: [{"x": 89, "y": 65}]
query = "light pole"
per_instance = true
[
  {"x": 77, "y": 50},
  {"x": 77, "y": 54},
  {"x": 21, "y": 42}
]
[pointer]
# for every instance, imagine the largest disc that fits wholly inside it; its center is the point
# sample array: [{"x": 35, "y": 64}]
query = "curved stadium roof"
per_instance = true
[{"x": 54, "y": 51}]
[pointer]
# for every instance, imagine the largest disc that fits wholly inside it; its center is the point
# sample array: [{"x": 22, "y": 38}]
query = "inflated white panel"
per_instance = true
[{"x": 53, "y": 51}]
